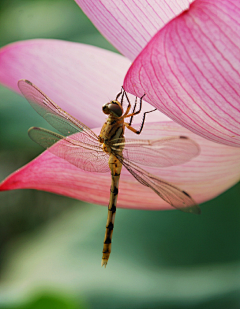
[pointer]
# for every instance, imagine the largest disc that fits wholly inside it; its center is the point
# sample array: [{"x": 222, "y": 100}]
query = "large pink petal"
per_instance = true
[
  {"x": 190, "y": 70},
  {"x": 129, "y": 25},
  {"x": 79, "y": 78},
  {"x": 216, "y": 169}
]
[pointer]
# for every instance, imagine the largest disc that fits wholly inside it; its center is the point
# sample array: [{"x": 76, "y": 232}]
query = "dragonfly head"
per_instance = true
[{"x": 114, "y": 108}]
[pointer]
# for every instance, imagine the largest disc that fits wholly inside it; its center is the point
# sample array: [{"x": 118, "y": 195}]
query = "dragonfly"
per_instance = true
[{"x": 110, "y": 150}]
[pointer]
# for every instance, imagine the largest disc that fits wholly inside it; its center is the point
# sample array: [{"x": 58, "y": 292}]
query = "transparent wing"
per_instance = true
[
  {"x": 75, "y": 149},
  {"x": 51, "y": 112},
  {"x": 167, "y": 151},
  {"x": 176, "y": 197}
]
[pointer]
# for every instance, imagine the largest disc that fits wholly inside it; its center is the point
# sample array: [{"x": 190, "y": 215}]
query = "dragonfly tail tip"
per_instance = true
[{"x": 104, "y": 263}]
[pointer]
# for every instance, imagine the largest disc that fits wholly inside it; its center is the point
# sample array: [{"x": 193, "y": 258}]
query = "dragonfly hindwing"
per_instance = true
[{"x": 43, "y": 137}]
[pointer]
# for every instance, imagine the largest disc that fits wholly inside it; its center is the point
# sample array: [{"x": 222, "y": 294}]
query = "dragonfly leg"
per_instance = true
[
  {"x": 135, "y": 113},
  {"x": 129, "y": 104},
  {"x": 119, "y": 94},
  {"x": 142, "y": 124},
  {"x": 122, "y": 96}
]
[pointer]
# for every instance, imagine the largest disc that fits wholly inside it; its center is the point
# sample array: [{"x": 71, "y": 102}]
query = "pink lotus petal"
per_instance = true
[
  {"x": 129, "y": 25},
  {"x": 216, "y": 169},
  {"x": 79, "y": 78},
  {"x": 190, "y": 70}
]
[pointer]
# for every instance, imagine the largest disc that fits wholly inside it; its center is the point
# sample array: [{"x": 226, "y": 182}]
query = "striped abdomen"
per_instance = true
[{"x": 115, "y": 167}]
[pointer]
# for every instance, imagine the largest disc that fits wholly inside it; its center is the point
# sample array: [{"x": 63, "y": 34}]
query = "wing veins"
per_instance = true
[
  {"x": 163, "y": 152},
  {"x": 88, "y": 157},
  {"x": 176, "y": 197},
  {"x": 43, "y": 106}
]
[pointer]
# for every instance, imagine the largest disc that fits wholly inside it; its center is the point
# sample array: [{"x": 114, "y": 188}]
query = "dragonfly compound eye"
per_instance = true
[
  {"x": 105, "y": 109},
  {"x": 116, "y": 108},
  {"x": 113, "y": 107}
]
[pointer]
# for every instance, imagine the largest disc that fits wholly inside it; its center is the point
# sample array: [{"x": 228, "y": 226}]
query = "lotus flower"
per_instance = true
[{"x": 186, "y": 70}]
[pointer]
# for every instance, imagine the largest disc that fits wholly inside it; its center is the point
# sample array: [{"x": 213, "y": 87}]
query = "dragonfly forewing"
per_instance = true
[
  {"x": 61, "y": 124},
  {"x": 60, "y": 120}
]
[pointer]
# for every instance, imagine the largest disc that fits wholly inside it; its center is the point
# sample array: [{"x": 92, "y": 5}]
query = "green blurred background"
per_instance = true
[{"x": 50, "y": 246}]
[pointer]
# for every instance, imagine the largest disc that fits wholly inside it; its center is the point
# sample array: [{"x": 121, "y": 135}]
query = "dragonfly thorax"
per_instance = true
[{"x": 113, "y": 108}]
